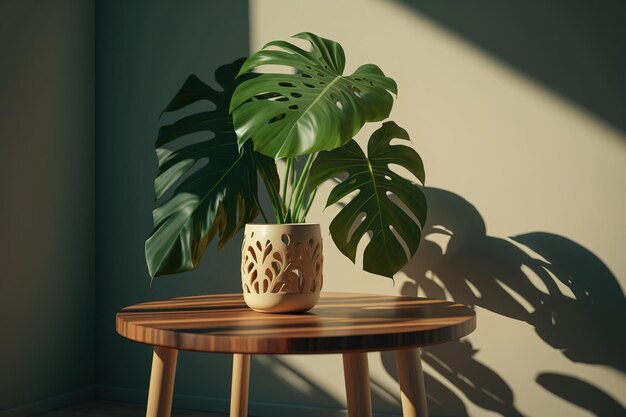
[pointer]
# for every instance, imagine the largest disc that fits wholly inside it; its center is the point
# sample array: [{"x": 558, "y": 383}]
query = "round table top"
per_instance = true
[{"x": 340, "y": 322}]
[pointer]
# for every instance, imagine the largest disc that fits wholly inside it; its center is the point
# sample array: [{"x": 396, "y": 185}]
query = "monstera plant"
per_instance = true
[{"x": 301, "y": 122}]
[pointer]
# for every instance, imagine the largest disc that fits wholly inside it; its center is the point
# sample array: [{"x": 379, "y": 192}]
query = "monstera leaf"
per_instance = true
[
  {"x": 389, "y": 206},
  {"x": 317, "y": 108},
  {"x": 217, "y": 182}
]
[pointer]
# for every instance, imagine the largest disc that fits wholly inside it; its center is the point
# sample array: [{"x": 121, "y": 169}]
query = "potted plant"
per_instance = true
[{"x": 301, "y": 123}]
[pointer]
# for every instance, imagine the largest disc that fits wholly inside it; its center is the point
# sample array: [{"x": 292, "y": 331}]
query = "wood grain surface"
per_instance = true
[{"x": 341, "y": 322}]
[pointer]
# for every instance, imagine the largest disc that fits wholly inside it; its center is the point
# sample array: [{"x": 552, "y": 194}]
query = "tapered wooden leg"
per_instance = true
[
  {"x": 240, "y": 383},
  {"x": 162, "y": 382},
  {"x": 412, "y": 392},
  {"x": 357, "y": 377}
]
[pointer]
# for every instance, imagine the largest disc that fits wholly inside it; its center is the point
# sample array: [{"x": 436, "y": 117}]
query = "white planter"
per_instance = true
[{"x": 282, "y": 267}]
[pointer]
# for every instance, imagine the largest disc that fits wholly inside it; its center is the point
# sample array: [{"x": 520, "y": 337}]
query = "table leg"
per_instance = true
[
  {"x": 357, "y": 379},
  {"x": 162, "y": 382},
  {"x": 240, "y": 383},
  {"x": 412, "y": 392}
]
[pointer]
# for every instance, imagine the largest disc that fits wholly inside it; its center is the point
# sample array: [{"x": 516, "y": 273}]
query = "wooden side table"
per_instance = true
[{"x": 350, "y": 324}]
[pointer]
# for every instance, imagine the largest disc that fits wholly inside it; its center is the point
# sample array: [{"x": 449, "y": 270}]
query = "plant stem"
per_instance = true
[
  {"x": 300, "y": 188},
  {"x": 288, "y": 168},
  {"x": 293, "y": 172},
  {"x": 274, "y": 198},
  {"x": 289, "y": 162},
  {"x": 308, "y": 205},
  {"x": 292, "y": 184}
]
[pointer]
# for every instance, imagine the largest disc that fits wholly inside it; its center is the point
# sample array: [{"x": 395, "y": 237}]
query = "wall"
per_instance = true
[
  {"x": 524, "y": 176},
  {"x": 145, "y": 51},
  {"x": 513, "y": 109},
  {"x": 47, "y": 184},
  {"x": 572, "y": 51}
]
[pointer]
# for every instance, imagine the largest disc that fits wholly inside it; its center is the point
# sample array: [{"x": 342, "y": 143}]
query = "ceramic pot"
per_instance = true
[{"x": 282, "y": 267}]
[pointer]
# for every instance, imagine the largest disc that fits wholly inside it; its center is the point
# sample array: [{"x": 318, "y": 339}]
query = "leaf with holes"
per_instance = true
[
  {"x": 388, "y": 205},
  {"x": 317, "y": 108},
  {"x": 217, "y": 183}
]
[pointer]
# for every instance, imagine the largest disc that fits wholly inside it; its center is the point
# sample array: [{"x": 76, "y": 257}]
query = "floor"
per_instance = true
[{"x": 101, "y": 408}]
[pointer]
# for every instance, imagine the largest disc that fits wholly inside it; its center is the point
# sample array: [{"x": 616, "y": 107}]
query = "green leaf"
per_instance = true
[
  {"x": 316, "y": 109},
  {"x": 212, "y": 183},
  {"x": 389, "y": 206}
]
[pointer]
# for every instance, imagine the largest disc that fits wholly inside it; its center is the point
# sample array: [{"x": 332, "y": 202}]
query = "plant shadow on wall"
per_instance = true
[
  {"x": 296, "y": 388},
  {"x": 564, "y": 291}
]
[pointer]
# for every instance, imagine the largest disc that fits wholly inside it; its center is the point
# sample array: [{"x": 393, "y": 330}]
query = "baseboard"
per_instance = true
[
  {"x": 221, "y": 405},
  {"x": 50, "y": 403}
]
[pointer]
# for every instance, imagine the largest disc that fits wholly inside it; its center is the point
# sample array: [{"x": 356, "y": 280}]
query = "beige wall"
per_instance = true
[{"x": 526, "y": 159}]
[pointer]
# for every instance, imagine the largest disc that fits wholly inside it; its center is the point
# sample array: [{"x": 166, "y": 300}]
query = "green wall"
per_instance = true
[
  {"x": 47, "y": 204},
  {"x": 145, "y": 51}
]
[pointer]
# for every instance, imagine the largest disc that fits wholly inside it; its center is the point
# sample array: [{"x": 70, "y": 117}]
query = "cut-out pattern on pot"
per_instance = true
[{"x": 282, "y": 259}]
